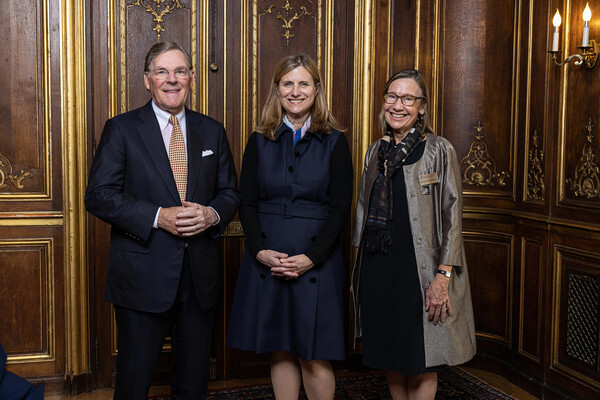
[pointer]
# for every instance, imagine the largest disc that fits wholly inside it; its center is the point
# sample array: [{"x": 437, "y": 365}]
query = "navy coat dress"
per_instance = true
[{"x": 295, "y": 200}]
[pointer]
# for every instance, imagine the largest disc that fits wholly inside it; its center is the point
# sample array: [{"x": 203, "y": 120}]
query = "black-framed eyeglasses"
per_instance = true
[
  {"x": 163, "y": 73},
  {"x": 407, "y": 99}
]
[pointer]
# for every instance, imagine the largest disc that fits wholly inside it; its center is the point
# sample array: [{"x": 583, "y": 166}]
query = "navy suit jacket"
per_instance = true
[{"x": 130, "y": 179}]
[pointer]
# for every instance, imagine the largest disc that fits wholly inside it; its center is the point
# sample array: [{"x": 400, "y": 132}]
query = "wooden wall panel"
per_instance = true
[
  {"x": 478, "y": 63},
  {"x": 24, "y": 108},
  {"x": 579, "y": 121},
  {"x": 489, "y": 259},
  {"x": 531, "y": 289},
  {"x": 575, "y": 326},
  {"x": 32, "y": 260},
  {"x": 31, "y": 289}
]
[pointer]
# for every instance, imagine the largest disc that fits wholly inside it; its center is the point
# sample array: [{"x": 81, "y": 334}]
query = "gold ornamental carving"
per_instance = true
[
  {"x": 479, "y": 168},
  {"x": 586, "y": 182},
  {"x": 8, "y": 176},
  {"x": 535, "y": 176},
  {"x": 287, "y": 14},
  {"x": 158, "y": 9}
]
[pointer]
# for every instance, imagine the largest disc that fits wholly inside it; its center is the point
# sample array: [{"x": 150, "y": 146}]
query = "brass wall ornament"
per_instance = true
[
  {"x": 535, "y": 176},
  {"x": 586, "y": 182},
  {"x": 7, "y": 176},
  {"x": 479, "y": 168},
  {"x": 158, "y": 9},
  {"x": 291, "y": 15}
]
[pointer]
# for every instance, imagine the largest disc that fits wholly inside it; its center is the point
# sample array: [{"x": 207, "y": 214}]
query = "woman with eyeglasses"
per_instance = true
[{"x": 410, "y": 280}]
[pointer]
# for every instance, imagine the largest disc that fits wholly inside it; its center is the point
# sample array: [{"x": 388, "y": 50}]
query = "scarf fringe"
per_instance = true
[{"x": 378, "y": 240}]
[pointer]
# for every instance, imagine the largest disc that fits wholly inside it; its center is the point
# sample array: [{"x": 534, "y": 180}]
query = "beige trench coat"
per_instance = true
[{"x": 435, "y": 212}]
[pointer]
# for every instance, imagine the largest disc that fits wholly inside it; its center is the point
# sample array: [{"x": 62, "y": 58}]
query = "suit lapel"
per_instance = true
[
  {"x": 149, "y": 131},
  {"x": 195, "y": 142}
]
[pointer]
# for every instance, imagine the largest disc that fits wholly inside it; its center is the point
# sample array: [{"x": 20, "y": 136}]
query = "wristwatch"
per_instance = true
[{"x": 444, "y": 272}]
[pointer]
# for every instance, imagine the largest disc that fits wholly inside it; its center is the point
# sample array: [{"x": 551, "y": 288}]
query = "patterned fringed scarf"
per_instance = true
[{"x": 390, "y": 160}]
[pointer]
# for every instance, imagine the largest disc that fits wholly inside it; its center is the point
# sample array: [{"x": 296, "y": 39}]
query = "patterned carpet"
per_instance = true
[{"x": 454, "y": 384}]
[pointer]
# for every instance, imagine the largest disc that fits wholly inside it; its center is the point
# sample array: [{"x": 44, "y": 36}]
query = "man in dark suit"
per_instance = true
[{"x": 168, "y": 187}]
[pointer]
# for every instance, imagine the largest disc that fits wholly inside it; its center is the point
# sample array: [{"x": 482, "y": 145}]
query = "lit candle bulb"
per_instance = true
[
  {"x": 556, "y": 22},
  {"x": 587, "y": 15}
]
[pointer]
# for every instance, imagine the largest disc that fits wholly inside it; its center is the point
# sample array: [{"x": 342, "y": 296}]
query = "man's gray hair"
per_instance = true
[{"x": 163, "y": 47}]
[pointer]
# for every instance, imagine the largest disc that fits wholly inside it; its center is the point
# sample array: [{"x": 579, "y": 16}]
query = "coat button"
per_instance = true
[
  {"x": 291, "y": 169},
  {"x": 262, "y": 276},
  {"x": 297, "y": 154},
  {"x": 408, "y": 170},
  {"x": 313, "y": 238},
  {"x": 313, "y": 279},
  {"x": 412, "y": 194},
  {"x": 415, "y": 218},
  {"x": 264, "y": 235}
]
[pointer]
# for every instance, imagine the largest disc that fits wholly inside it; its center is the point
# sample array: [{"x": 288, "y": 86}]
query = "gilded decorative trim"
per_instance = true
[
  {"x": 163, "y": 7},
  {"x": 535, "y": 174},
  {"x": 436, "y": 66},
  {"x": 328, "y": 58},
  {"x": 362, "y": 108},
  {"x": 291, "y": 15},
  {"x": 586, "y": 182},
  {"x": 74, "y": 149},
  {"x": 234, "y": 229},
  {"x": 202, "y": 48},
  {"x": 244, "y": 54},
  {"x": 48, "y": 301},
  {"x": 31, "y": 218},
  {"x": 8, "y": 176},
  {"x": 479, "y": 168}
]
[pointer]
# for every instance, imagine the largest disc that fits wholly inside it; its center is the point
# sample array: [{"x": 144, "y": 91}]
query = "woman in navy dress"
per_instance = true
[{"x": 296, "y": 185}]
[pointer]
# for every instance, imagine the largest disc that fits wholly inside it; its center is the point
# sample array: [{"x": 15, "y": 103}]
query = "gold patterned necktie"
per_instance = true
[{"x": 177, "y": 157}]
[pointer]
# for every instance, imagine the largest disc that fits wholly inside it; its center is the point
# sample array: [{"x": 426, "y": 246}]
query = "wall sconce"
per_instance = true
[{"x": 589, "y": 48}]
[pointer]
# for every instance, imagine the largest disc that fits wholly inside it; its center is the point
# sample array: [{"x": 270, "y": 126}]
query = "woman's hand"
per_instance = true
[
  {"x": 293, "y": 267},
  {"x": 271, "y": 259},
  {"x": 437, "y": 301}
]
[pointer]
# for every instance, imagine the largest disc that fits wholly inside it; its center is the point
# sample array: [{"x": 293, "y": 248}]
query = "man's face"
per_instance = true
[{"x": 169, "y": 90}]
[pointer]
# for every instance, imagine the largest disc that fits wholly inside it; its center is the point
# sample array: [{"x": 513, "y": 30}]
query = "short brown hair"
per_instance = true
[
  {"x": 162, "y": 47},
  {"x": 272, "y": 113}
]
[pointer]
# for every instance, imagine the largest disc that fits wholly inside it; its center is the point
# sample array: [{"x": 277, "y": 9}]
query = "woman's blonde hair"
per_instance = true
[
  {"x": 418, "y": 78},
  {"x": 321, "y": 119}
]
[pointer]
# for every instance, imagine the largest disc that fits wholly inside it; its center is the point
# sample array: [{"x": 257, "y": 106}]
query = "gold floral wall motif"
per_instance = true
[
  {"x": 288, "y": 14},
  {"x": 586, "y": 182},
  {"x": 158, "y": 9},
  {"x": 535, "y": 176},
  {"x": 7, "y": 176},
  {"x": 479, "y": 168}
]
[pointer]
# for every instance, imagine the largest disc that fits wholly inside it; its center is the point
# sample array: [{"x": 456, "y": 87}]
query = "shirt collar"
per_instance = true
[
  {"x": 163, "y": 117},
  {"x": 303, "y": 128}
]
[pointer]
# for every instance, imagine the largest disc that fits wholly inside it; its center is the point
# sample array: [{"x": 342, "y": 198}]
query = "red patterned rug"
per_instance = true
[{"x": 453, "y": 384}]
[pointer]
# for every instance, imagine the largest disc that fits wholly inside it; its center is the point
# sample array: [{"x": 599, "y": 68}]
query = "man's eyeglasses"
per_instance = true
[
  {"x": 407, "y": 99},
  {"x": 163, "y": 73}
]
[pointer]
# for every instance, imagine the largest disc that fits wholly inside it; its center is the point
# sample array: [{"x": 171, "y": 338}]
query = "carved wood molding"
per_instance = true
[
  {"x": 158, "y": 9},
  {"x": 479, "y": 168},
  {"x": 535, "y": 175},
  {"x": 287, "y": 14},
  {"x": 586, "y": 182},
  {"x": 8, "y": 176}
]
